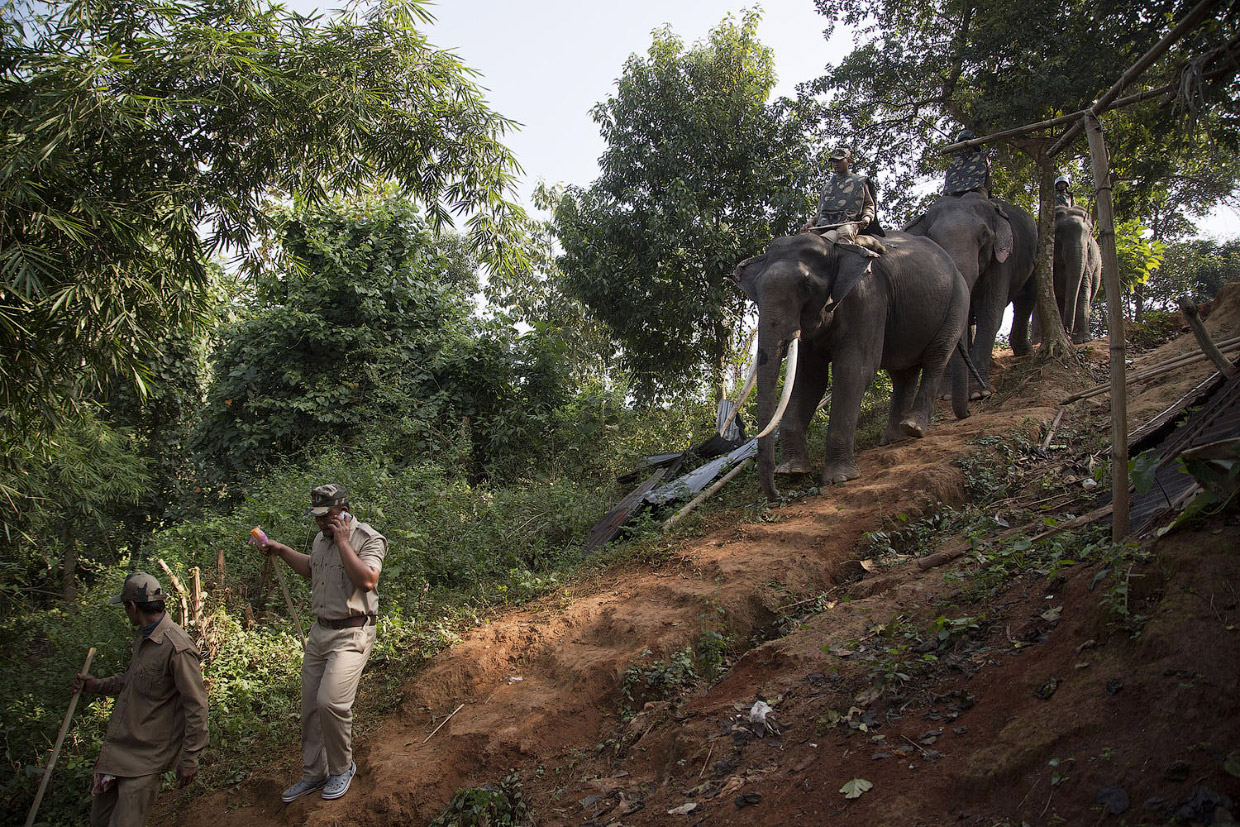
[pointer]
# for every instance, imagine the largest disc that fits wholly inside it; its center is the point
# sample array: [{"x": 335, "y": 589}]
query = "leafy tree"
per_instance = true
[
  {"x": 700, "y": 172},
  {"x": 363, "y": 331},
  {"x": 1197, "y": 268},
  {"x": 921, "y": 70},
  {"x": 143, "y": 136}
]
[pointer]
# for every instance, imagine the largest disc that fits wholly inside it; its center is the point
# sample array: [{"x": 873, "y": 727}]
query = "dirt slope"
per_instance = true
[{"x": 1046, "y": 676}]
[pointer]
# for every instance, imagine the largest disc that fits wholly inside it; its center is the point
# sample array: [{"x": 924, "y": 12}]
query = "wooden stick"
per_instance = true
[
  {"x": 444, "y": 721},
  {"x": 705, "y": 495},
  {"x": 180, "y": 587},
  {"x": 288, "y": 601},
  {"x": 60, "y": 739},
  {"x": 197, "y": 597},
  {"x": 1208, "y": 347},
  {"x": 1050, "y": 432}
]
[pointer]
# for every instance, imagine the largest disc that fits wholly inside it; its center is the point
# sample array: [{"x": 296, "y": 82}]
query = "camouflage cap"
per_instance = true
[
  {"x": 965, "y": 135},
  {"x": 140, "y": 587},
  {"x": 326, "y": 497},
  {"x": 840, "y": 153}
]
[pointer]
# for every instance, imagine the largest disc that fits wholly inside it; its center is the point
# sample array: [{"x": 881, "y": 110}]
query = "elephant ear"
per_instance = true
[
  {"x": 851, "y": 268},
  {"x": 1004, "y": 242},
  {"x": 747, "y": 273},
  {"x": 918, "y": 226}
]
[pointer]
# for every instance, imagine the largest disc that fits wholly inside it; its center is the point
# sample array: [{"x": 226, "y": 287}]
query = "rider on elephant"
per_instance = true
[
  {"x": 969, "y": 170},
  {"x": 1063, "y": 192},
  {"x": 846, "y": 201}
]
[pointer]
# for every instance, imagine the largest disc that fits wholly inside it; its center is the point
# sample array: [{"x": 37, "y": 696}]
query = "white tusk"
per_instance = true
[
  {"x": 789, "y": 380},
  {"x": 746, "y": 389}
]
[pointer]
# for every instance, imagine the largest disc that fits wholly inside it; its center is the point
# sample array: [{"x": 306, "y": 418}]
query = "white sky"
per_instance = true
[{"x": 545, "y": 63}]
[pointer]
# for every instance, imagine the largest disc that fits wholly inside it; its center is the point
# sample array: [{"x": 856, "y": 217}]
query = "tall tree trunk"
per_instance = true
[{"x": 1055, "y": 344}]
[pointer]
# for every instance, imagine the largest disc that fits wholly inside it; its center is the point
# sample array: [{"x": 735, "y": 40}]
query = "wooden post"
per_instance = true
[
  {"x": 60, "y": 739},
  {"x": 1115, "y": 321},
  {"x": 1193, "y": 317},
  {"x": 197, "y": 597}
]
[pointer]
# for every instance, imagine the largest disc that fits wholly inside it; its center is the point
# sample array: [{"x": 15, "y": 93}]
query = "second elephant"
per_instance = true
[
  {"x": 1078, "y": 270},
  {"x": 993, "y": 243}
]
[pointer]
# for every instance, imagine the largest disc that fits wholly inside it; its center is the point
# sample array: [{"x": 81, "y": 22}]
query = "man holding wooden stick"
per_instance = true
[
  {"x": 343, "y": 566},
  {"x": 159, "y": 721}
]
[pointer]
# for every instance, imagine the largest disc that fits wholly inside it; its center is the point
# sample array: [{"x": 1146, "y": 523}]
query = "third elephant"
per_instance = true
[{"x": 1078, "y": 270}]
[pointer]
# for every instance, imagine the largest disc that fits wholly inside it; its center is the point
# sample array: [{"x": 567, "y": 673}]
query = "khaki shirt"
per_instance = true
[
  {"x": 332, "y": 594},
  {"x": 160, "y": 718}
]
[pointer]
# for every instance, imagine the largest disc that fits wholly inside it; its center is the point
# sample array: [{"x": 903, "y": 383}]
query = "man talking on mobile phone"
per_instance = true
[{"x": 343, "y": 566}]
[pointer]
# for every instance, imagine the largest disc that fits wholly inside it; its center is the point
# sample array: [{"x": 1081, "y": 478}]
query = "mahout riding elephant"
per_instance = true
[
  {"x": 1078, "y": 270},
  {"x": 840, "y": 312},
  {"x": 992, "y": 243}
]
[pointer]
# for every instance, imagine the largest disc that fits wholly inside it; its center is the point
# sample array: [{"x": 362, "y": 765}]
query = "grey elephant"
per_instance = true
[
  {"x": 840, "y": 312},
  {"x": 993, "y": 244},
  {"x": 1078, "y": 270}
]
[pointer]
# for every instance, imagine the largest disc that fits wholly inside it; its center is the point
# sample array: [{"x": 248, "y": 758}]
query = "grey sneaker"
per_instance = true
[
  {"x": 338, "y": 785},
  {"x": 302, "y": 787}
]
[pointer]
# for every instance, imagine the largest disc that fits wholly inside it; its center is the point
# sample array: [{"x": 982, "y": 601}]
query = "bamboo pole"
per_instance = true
[
  {"x": 707, "y": 494},
  {"x": 1195, "y": 16},
  {"x": 1115, "y": 321},
  {"x": 60, "y": 739},
  {"x": 1150, "y": 373}
]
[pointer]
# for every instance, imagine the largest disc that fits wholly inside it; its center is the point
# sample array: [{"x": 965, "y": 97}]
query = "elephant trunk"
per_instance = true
[
  {"x": 1071, "y": 249},
  {"x": 770, "y": 356}
]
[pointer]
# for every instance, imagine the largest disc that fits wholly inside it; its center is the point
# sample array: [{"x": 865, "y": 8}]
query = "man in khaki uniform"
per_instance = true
[
  {"x": 160, "y": 718},
  {"x": 343, "y": 567}
]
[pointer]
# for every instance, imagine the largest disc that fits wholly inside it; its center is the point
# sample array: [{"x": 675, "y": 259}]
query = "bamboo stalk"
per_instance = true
[
  {"x": 707, "y": 494},
  {"x": 197, "y": 580},
  {"x": 1158, "y": 370},
  {"x": 1115, "y": 311},
  {"x": 60, "y": 739}
]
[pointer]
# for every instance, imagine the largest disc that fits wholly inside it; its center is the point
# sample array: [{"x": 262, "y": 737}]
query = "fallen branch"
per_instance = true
[{"x": 1084, "y": 519}]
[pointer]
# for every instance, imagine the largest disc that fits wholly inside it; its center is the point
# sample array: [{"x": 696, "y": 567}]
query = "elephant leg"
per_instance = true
[
  {"x": 811, "y": 382},
  {"x": 1022, "y": 314},
  {"x": 989, "y": 314},
  {"x": 853, "y": 374},
  {"x": 902, "y": 422}
]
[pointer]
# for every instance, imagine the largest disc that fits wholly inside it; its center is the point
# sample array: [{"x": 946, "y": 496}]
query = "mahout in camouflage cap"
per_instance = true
[
  {"x": 840, "y": 153},
  {"x": 326, "y": 497},
  {"x": 140, "y": 587}
]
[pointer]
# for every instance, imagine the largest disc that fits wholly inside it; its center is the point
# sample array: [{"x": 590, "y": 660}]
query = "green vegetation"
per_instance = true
[{"x": 496, "y": 805}]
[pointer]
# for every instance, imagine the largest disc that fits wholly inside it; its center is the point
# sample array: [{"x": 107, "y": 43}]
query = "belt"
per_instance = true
[{"x": 348, "y": 622}]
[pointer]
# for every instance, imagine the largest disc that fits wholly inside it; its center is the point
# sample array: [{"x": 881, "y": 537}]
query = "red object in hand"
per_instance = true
[{"x": 258, "y": 536}]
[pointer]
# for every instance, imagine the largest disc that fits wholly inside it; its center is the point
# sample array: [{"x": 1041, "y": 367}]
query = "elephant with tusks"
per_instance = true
[{"x": 840, "y": 312}]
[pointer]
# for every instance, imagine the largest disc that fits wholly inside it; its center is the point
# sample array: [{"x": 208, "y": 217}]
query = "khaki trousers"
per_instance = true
[
  {"x": 126, "y": 804},
  {"x": 330, "y": 672}
]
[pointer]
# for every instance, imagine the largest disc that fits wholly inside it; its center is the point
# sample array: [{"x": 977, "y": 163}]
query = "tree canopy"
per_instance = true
[
  {"x": 143, "y": 136},
  {"x": 699, "y": 173}
]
